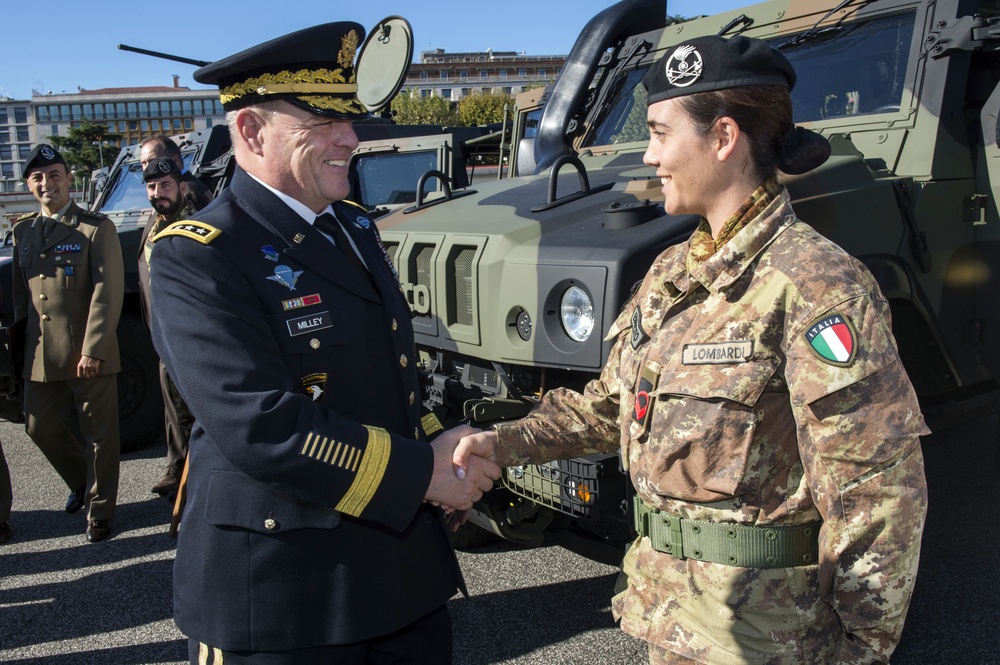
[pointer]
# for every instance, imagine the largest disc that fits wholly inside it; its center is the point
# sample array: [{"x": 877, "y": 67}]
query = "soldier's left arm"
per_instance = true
[
  {"x": 858, "y": 427},
  {"x": 107, "y": 274}
]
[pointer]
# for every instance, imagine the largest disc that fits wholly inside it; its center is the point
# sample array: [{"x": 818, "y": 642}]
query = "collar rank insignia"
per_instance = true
[
  {"x": 270, "y": 253},
  {"x": 315, "y": 385},
  {"x": 285, "y": 276},
  {"x": 833, "y": 340},
  {"x": 639, "y": 335}
]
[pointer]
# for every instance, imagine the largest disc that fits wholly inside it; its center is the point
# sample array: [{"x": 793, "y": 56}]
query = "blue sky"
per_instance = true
[{"x": 61, "y": 46}]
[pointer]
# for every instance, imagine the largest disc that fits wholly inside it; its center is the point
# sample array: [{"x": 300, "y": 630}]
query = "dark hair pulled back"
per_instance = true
[{"x": 764, "y": 115}]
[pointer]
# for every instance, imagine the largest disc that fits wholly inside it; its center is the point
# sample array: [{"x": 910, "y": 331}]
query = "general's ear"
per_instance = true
[{"x": 249, "y": 126}]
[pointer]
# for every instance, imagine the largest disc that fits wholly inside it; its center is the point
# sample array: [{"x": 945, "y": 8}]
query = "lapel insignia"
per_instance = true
[
  {"x": 639, "y": 335},
  {"x": 833, "y": 340},
  {"x": 362, "y": 222},
  {"x": 298, "y": 238},
  {"x": 315, "y": 385},
  {"x": 270, "y": 253},
  {"x": 285, "y": 276},
  {"x": 304, "y": 301}
]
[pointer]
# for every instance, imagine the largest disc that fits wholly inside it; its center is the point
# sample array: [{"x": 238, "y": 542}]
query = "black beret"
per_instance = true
[
  {"x": 703, "y": 64},
  {"x": 41, "y": 156},
  {"x": 311, "y": 68},
  {"x": 159, "y": 168}
]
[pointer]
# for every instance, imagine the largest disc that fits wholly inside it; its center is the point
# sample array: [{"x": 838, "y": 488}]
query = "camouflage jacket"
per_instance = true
[{"x": 775, "y": 396}]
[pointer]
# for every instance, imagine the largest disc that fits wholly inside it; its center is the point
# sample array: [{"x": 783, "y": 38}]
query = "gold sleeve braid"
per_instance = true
[{"x": 370, "y": 472}]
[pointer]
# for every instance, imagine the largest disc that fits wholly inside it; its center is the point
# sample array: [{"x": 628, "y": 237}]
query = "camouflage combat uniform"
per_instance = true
[{"x": 748, "y": 422}]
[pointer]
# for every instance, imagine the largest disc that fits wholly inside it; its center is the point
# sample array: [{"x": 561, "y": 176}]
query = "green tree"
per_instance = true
[
  {"x": 409, "y": 108},
  {"x": 85, "y": 145},
  {"x": 483, "y": 108}
]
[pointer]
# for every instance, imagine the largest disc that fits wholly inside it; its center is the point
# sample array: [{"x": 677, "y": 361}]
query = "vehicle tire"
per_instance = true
[
  {"x": 140, "y": 402},
  {"x": 470, "y": 536}
]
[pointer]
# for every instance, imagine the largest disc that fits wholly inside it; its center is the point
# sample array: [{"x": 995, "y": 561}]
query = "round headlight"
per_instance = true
[{"x": 577, "y": 313}]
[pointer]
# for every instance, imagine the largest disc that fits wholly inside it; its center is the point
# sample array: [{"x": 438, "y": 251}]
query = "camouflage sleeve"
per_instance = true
[
  {"x": 858, "y": 426},
  {"x": 567, "y": 423}
]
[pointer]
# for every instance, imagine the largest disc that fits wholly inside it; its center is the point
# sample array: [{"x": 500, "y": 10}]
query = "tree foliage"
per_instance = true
[
  {"x": 83, "y": 146},
  {"x": 483, "y": 108},
  {"x": 409, "y": 108}
]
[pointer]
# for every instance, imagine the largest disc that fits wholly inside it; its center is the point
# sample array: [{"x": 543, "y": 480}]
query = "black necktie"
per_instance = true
[{"x": 329, "y": 225}]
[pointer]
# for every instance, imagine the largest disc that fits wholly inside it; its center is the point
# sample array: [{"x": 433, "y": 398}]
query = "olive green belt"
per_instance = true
[{"x": 728, "y": 543}]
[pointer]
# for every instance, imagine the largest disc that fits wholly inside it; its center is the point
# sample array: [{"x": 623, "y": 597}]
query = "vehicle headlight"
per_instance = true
[{"x": 577, "y": 313}]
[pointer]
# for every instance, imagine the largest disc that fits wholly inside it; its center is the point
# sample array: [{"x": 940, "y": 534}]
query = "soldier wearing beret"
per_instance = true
[
  {"x": 168, "y": 194},
  {"x": 309, "y": 534},
  {"x": 160, "y": 146},
  {"x": 756, "y": 394},
  {"x": 68, "y": 283}
]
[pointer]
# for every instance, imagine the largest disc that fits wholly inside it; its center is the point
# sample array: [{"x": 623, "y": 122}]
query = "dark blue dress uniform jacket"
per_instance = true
[{"x": 304, "y": 523}]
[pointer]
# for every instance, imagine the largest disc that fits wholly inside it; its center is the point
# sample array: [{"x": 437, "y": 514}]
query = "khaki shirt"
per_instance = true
[
  {"x": 731, "y": 402},
  {"x": 70, "y": 288}
]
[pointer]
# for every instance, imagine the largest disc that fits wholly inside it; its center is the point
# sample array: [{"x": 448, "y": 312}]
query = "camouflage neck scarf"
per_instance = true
[{"x": 703, "y": 245}]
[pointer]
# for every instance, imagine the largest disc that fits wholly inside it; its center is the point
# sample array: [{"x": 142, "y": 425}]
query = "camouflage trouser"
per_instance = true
[{"x": 660, "y": 656}]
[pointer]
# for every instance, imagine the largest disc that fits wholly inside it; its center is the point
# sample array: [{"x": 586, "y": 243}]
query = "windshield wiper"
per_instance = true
[{"x": 817, "y": 34}]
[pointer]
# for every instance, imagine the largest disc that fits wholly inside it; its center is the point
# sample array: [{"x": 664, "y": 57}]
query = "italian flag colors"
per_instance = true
[{"x": 832, "y": 338}]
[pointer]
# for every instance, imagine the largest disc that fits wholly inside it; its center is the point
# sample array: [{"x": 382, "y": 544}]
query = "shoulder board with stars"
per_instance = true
[
  {"x": 21, "y": 218},
  {"x": 200, "y": 231}
]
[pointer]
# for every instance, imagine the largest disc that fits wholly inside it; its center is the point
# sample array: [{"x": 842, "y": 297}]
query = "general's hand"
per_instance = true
[
  {"x": 88, "y": 367},
  {"x": 446, "y": 488},
  {"x": 477, "y": 444}
]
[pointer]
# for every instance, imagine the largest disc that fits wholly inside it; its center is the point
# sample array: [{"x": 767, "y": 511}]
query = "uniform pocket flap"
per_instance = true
[
  {"x": 742, "y": 382},
  {"x": 234, "y": 500}
]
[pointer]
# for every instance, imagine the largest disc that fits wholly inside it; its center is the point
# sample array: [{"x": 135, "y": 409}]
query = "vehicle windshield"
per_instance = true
[
  {"x": 392, "y": 178},
  {"x": 127, "y": 190},
  {"x": 861, "y": 70}
]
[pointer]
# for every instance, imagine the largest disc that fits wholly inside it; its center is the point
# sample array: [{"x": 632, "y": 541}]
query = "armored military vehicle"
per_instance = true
[{"x": 513, "y": 287}]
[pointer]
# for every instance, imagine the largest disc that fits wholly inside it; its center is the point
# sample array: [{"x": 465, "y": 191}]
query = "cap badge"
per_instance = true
[
  {"x": 348, "y": 45},
  {"x": 684, "y": 66},
  {"x": 163, "y": 166},
  {"x": 48, "y": 153}
]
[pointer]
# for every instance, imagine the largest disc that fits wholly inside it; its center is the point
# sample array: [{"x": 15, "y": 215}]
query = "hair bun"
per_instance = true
[{"x": 801, "y": 150}]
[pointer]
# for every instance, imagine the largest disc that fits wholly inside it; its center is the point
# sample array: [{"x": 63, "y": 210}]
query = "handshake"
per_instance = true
[{"x": 464, "y": 467}]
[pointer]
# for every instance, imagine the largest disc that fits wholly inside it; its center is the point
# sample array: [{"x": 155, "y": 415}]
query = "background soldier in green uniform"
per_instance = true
[
  {"x": 69, "y": 283},
  {"x": 168, "y": 194},
  {"x": 756, "y": 394}
]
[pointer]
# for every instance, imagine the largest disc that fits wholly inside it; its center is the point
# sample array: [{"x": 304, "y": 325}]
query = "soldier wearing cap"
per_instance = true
[
  {"x": 756, "y": 394},
  {"x": 160, "y": 146},
  {"x": 68, "y": 284},
  {"x": 168, "y": 194},
  {"x": 309, "y": 534}
]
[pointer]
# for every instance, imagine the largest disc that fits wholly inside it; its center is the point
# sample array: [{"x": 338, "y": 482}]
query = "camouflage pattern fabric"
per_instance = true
[{"x": 728, "y": 407}]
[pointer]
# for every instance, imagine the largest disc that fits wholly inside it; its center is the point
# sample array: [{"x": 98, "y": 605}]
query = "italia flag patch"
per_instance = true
[{"x": 832, "y": 338}]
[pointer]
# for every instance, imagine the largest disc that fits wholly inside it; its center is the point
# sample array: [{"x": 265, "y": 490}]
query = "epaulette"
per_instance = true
[
  {"x": 356, "y": 205},
  {"x": 21, "y": 218},
  {"x": 188, "y": 228},
  {"x": 93, "y": 214}
]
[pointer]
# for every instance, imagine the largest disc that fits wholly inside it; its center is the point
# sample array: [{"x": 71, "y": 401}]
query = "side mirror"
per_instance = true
[{"x": 383, "y": 61}]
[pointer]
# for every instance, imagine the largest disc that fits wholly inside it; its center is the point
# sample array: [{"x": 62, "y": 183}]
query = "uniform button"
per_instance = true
[
  {"x": 41, "y": 277},
  {"x": 416, "y": 432},
  {"x": 270, "y": 524},
  {"x": 314, "y": 343},
  {"x": 42, "y": 255},
  {"x": 45, "y": 317},
  {"x": 394, "y": 324},
  {"x": 43, "y": 297},
  {"x": 402, "y": 360},
  {"x": 413, "y": 398}
]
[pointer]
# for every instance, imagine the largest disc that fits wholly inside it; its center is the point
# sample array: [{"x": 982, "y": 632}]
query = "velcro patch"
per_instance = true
[
  {"x": 833, "y": 340},
  {"x": 643, "y": 400},
  {"x": 203, "y": 233},
  {"x": 718, "y": 353}
]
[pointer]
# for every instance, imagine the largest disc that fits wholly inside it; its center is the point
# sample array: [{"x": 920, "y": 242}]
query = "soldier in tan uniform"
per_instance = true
[
  {"x": 756, "y": 394},
  {"x": 68, "y": 283},
  {"x": 168, "y": 194}
]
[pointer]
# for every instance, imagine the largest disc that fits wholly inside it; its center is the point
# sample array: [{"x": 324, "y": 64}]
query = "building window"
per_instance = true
[
  {"x": 53, "y": 130},
  {"x": 186, "y": 107},
  {"x": 6, "y": 152},
  {"x": 133, "y": 110},
  {"x": 175, "y": 108},
  {"x": 503, "y": 73},
  {"x": 3, "y": 116},
  {"x": 443, "y": 74},
  {"x": 156, "y": 125},
  {"x": 144, "y": 125},
  {"x": 541, "y": 71},
  {"x": 121, "y": 126},
  {"x": 64, "y": 112},
  {"x": 522, "y": 72},
  {"x": 4, "y": 136},
  {"x": 446, "y": 93},
  {"x": 463, "y": 73},
  {"x": 177, "y": 125},
  {"x": 208, "y": 123},
  {"x": 22, "y": 134},
  {"x": 484, "y": 74},
  {"x": 7, "y": 170},
  {"x": 154, "y": 109},
  {"x": 423, "y": 74},
  {"x": 133, "y": 125},
  {"x": 188, "y": 124},
  {"x": 23, "y": 151},
  {"x": 20, "y": 115},
  {"x": 120, "y": 111}
]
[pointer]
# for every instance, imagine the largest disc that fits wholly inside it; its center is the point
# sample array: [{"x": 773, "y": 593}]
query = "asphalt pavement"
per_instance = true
[{"x": 66, "y": 602}]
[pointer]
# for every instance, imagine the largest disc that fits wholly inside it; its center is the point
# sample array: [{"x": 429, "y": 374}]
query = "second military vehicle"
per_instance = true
[{"x": 512, "y": 287}]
